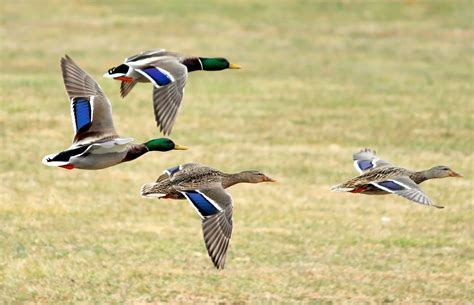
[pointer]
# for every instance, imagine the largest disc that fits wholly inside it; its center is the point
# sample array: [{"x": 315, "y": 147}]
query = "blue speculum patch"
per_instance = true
[
  {"x": 82, "y": 113},
  {"x": 203, "y": 205},
  {"x": 364, "y": 164},
  {"x": 391, "y": 185},
  {"x": 173, "y": 170},
  {"x": 159, "y": 77}
]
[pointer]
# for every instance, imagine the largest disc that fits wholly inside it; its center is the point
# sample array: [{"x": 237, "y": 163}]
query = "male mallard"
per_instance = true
[
  {"x": 168, "y": 72},
  {"x": 96, "y": 144},
  {"x": 204, "y": 188},
  {"x": 379, "y": 177}
]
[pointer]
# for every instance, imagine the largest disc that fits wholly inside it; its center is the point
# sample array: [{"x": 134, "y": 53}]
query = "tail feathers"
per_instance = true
[
  {"x": 48, "y": 160},
  {"x": 126, "y": 87},
  {"x": 341, "y": 188},
  {"x": 152, "y": 190}
]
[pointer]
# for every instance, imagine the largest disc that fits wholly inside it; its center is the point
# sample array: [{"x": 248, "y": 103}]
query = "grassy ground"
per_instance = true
[{"x": 321, "y": 80}]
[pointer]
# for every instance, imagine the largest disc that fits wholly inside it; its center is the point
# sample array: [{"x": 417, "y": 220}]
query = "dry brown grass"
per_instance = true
[{"x": 321, "y": 80}]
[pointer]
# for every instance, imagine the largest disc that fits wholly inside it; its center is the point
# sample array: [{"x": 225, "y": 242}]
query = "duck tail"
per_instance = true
[
  {"x": 50, "y": 161},
  {"x": 341, "y": 188},
  {"x": 151, "y": 190}
]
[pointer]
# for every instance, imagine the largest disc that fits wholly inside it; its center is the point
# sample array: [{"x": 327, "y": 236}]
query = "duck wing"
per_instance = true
[
  {"x": 91, "y": 111},
  {"x": 170, "y": 172},
  {"x": 168, "y": 75},
  {"x": 214, "y": 205},
  {"x": 405, "y": 187},
  {"x": 144, "y": 55},
  {"x": 366, "y": 159}
]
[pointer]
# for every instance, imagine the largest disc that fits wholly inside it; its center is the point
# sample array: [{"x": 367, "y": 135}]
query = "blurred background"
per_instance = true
[{"x": 320, "y": 80}]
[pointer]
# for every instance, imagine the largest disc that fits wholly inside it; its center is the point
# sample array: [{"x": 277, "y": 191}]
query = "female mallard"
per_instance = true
[
  {"x": 96, "y": 144},
  {"x": 204, "y": 188},
  {"x": 168, "y": 72},
  {"x": 379, "y": 177}
]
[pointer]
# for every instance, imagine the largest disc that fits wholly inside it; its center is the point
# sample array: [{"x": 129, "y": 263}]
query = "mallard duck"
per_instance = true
[
  {"x": 378, "y": 177},
  {"x": 204, "y": 187},
  {"x": 96, "y": 144},
  {"x": 167, "y": 71}
]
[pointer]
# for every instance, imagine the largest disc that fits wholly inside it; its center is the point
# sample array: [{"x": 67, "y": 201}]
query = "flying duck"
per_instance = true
[
  {"x": 96, "y": 144},
  {"x": 378, "y": 177},
  {"x": 167, "y": 71},
  {"x": 204, "y": 188}
]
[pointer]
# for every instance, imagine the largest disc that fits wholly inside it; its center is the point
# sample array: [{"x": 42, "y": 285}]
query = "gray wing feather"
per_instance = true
[
  {"x": 144, "y": 54},
  {"x": 217, "y": 229},
  {"x": 218, "y": 194},
  {"x": 79, "y": 84},
  {"x": 167, "y": 99},
  {"x": 368, "y": 155},
  {"x": 416, "y": 196},
  {"x": 411, "y": 191}
]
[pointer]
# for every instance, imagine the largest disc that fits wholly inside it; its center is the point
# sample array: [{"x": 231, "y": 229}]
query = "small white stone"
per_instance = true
[{"x": 385, "y": 219}]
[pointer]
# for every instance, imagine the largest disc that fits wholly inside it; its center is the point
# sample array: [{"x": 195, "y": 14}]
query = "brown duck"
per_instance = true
[
  {"x": 204, "y": 187},
  {"x": 378, "y": 177}
]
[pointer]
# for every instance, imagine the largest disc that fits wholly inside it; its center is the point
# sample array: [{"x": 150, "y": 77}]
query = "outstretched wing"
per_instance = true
[
  {"x": 169, "y": 172},
  {"x": 405, "y": 187},
  {"x": 169, "y": 78},
  {"x": 214, "y": 206},
  {"x": 217, "y": 231},
  {"x": 144, "y": 55},
  {"x": 90, "y": 108},
  {"x": 366, "y": 160}
]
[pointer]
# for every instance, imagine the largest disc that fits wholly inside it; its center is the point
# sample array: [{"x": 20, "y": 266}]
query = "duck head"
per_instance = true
[
  {"x": 163, "y": 144},
  {"x": 216, "y": 64},
  {"x": 442, "y": 171},
  {"x": 119, "y": 73},
  {"x": 254, "y": 177}
]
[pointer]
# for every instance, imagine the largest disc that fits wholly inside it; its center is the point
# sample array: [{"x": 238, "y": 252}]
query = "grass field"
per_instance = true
[{"x": 320, "y": 81}]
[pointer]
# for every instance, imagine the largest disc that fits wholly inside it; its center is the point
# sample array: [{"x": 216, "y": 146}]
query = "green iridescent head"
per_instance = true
[
  {"x": 162, "y": 144},
  {"x": 216, "y": 64}
]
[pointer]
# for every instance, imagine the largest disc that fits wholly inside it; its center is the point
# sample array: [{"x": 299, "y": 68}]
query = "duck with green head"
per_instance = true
[
  {"x": 96, "y": 144},
  {"x": 167, "y": 71}
]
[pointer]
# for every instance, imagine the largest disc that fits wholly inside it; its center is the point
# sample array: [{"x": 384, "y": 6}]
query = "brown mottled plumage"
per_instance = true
[
  {"x": 204, "y": 187},
  {"x": 379, "y": 177}
]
